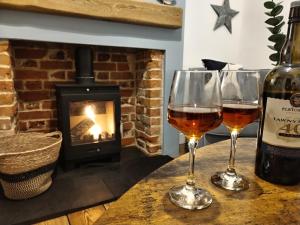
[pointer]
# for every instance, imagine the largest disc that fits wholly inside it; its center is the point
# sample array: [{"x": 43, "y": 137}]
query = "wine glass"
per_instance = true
[
  {"x": 240, "y": 94},
  {"x": 195, "y": 107}
]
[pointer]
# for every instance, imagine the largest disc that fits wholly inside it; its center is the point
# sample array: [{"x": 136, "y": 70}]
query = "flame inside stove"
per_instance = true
[{"x": 95, "y": 130}]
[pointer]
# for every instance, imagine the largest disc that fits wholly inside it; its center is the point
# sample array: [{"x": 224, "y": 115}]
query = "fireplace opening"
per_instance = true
[
  {"x": 31, "y": 70},
  {"x": 88, "y": 115},
  {"x": 91, "y": 122}
]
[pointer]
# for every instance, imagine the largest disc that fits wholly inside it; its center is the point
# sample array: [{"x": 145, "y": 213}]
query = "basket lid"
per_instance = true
[{"x": 27, "y": 142}]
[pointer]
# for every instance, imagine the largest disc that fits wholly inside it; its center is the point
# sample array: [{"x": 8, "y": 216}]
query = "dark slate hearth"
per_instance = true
[{"x": 90, "y": 185}]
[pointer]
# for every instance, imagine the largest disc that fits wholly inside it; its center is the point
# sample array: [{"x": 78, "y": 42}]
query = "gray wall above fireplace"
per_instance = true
[{"x": 53, "y": 28}]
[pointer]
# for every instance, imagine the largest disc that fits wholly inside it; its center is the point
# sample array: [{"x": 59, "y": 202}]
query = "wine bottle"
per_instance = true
[{"x": 278, "y": 145}]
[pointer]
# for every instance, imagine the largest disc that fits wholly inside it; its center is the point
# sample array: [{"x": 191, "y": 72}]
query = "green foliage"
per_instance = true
[{"x": 275, "y": 23}]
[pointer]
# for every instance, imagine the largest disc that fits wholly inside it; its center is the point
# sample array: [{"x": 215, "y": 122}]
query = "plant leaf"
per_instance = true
[
  {"x": 274, "y": 57},
  {"x": 272, "y": 21},
  {"x": 269, "y": 5},
  {"x": 277, "y": 28},
  {"x": 277, "y": 10},
  {"x": 268, "y": 13},
  {"x": 278, "y": 46},
  {"x": 277, "y": 38},
  {"x": 280, "y": 25},
  {"x": 272, "y": 47},
  {"x": 279, "y": 18},
  {"x": 271, "y": 29}
]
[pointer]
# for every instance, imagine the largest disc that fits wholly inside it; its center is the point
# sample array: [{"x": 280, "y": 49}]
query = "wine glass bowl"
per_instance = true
[
  {"x": 194, "y": 108},
  {"x": 240, "y": 94}
]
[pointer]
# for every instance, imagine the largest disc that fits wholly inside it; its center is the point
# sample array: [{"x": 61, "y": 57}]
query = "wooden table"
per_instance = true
[{"x": 263, "y": 203}]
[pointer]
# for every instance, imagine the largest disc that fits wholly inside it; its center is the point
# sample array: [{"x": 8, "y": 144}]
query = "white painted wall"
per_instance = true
[{"x": 247, "y": 45}]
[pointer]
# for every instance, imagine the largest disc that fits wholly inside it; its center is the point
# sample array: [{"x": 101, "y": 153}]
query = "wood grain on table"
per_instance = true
[{"x": 262, "y": 204}]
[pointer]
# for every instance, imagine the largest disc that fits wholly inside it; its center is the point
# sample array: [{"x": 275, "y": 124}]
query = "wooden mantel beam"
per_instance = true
[{"x": 127, "y": 11}]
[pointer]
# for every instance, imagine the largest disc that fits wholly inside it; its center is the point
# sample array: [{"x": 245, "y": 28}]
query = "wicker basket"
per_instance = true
[{"x": 27, "y": 161}]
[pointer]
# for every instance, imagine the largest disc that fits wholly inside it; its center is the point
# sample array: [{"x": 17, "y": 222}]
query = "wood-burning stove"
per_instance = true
[{"x": 89, "y": 115}]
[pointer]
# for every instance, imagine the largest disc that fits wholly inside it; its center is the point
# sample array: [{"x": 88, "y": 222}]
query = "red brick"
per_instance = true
[
  {"x": 105, "y": 66},
  {"x": 70, "y": 52},
  {"x": 152, "y": 83},
  {"x": 51, "y": 84},
  {"x": 4, "y": 45},
  {"x": 124, "y": 118},
  {"x": 140, "y": 55},
  {"x": 128, "y": 141},
  {"x": 149, "y": 102},
  {"x": 118, "y": 58},
  {"x": 153, "y": 112},
  {"x": 127, "y": 126},
  {"x": 35, "y": 115},
  {"x": 153, "y": 65},
  {"x": 21, "y": 106},
  {"x": 59, "y": 75},
  {"x": 31, "y": 105},
  {"x": 152, "y": 139},
  {"x": 57, "y": 54},
  {"x": 126, "y": 84},
  {"x": 23, "y": 125},
  {"x": 52, "y": 123},
  {"x": 127, "y": 109},
  {"x": 30, "y": 53},
  {"x": 121, "y": 76},
  {"x": 122, "y": 67},
  {"x": 140, "y": 75},
  {"x": 21, "y": 74},
  {"x": 139, "y": 134},
  {"x": 141, "y": 143},
  {"x": 127, "y": 92},
  {"x": 5, "y": 73},
  {"x": 37, "y": 124},
  {"x": 153, "y": 74},
  {"x": 19, "y": 85},
  {"x": 103, "y": 57},
  {"x": 49, "y": 104},
  {"x": 102, "y": 76},
  {"x": 7, "y": 98},
  {"x": 33, "y": 95},
  {"x": 153, "y": 93},
  {"x": 8, "y": 110},
  {"x": 153, "y": 149},
  {"x": 139, "y": 126},
  {"x": 139, "y": 109},
  {"x": 71, "y": 75},
  {"x": 153, "y": 130},
  {"x": 140, "y": 100},
  {"x": 140, "y": 66},
  {"x": 54, "y": 113},
  {"x": 29, "y": 63},
  {"x": 33, "y": 85},
  {"x": 5, "y": 124},
  {"x": 6, "y": 86},
  {"x": 5, "y": 60},
  {"x": 52, "y": 65},
  {"x": 154, "y": 54},
  {"x": 132, "y": 117},
  {"x": 155, "y": 121}
]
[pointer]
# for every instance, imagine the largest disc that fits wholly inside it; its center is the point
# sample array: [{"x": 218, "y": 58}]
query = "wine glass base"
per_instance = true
[
  {"x": 230, "y": 181},
  {"x": 188, "y": 197}
]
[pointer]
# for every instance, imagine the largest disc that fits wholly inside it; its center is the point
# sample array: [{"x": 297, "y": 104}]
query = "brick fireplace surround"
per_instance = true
[{"x": 29, "y": 70}]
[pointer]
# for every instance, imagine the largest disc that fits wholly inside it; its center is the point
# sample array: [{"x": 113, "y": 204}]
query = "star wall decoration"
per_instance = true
[{"x": 225, "y": 15}]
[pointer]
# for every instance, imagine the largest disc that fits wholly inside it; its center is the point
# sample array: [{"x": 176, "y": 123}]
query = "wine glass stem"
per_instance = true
[
  {"x": 192, "y": 145},
  {"x": 230, "y": 168}
]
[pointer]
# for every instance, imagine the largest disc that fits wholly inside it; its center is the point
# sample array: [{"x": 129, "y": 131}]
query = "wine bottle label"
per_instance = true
[{"x": 282, "y": 124}]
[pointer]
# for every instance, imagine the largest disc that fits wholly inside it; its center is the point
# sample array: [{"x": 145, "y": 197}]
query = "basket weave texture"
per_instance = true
[{"x": 25, "y": 152}]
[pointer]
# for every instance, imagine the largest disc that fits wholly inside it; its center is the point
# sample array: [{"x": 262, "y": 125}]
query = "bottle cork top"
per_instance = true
[{"x": 295, "y": 4}]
